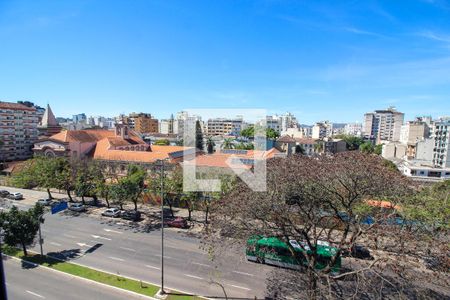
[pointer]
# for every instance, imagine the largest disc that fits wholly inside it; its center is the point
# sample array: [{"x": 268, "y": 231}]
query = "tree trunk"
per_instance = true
[
  {"x": 82, "y": 200},
  {"x": 312, "y": 284},
  {"x": 206, "y": 213},
  {"x": 49, "y": 194},
  {"x": 95, "y": 199},
  {"x": 121, "y": 206},
  {"x": 107, "y": 201},
  {"x": 24, "y": 247},
  {"x": 70, "y": 196},
  {"x": 190, "y": 213},
  {"x": 171, "y": 209},
  {"x": 135, "y": 204}
]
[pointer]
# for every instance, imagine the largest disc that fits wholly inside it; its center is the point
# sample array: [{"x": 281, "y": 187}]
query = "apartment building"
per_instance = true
[
  {"x": 18, "y": 131},
  {"x": 224, "y": 126},
  {"x": 140, "y": 122},
  {"x": 354, "y": 129},
  {"x": 383, "y": 125},
  {"x": 322, "y": 130},
  {"x": 441, "y": 136}
]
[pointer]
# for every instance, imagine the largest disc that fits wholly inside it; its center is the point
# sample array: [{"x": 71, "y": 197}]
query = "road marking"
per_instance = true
[
  {"x": 128, "y": 249},
  {"x": 113, "y": 231},
  {"x": 55, "y": 244},
  {"x": 34, "y": 294},
  {"x": 152, "y": 267},
  {"x": 100, "y": 237},
  {"x": 159, "y": 255},
  {"x": 200, "y": 264},
  {"x": 240, "y": 287},
  {"x": 69, "y": 236},
  {"x": 84, "y": 245},
  {"x": 243, "y": 273},
  {"x": 116, "y": 258},
  {"x": 192, "y": 276}
]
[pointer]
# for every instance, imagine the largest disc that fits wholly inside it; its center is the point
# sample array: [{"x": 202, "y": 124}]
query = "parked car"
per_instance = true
[
  {"x": 357, "y": 251},
  {"x": 15, "y": 196},
  {"x": 4, "y": 193},
  {"x": 77, "y": 207},
  {"x": 111, "y": 212},
  {"x": 178, "y": 222},
  {"x": 45, "y": 201},
  {"x": 132, "y": 215}
]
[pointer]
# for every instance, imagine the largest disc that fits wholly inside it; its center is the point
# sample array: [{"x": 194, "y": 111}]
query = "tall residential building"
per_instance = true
[
  {"x": 274, "y": 123},
  {"x": 383, "y": 125},
  {"x": 322, "y": 130},
  {"x": 181, "y": 120},
  {"x": 354, "y": 129},
  {"x": 166, "y": 125},
  {"x": 414, "y": 131},
  {"x": 141, "y": 122},
  {"x": 224, "y": 126},
  {"x": 441, "y": 136},
  {"x": 288, "y": 120},
  {"x": 79, "y": 118},
  {"x": 18, "y": 130}
]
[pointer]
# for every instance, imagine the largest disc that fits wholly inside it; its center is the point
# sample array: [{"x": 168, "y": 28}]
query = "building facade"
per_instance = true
[
  {"x": 18, "y": 131},
  {"x": 441, "y": 136},
  {"x": 383, "y": 125}
]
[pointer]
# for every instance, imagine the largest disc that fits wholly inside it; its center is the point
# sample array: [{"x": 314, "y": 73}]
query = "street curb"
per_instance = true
[
  {"x": 128, "y": 277},
  {"x": 82, "y": 278}
]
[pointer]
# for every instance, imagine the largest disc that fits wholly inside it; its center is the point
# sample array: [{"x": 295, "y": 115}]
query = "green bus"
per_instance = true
[{"x": 273, "y": 251}]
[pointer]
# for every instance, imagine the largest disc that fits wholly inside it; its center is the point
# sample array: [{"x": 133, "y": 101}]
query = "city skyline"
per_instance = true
[{"x": 110, "y": 58}]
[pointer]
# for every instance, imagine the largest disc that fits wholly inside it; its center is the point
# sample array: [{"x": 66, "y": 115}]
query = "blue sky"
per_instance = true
[{"x": 318, "y": 59}]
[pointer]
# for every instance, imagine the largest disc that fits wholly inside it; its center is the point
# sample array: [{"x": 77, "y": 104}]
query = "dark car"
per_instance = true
[
  {"x": 178, "y": 222},
  {"x": 357, "y": 251},
  {"x": 132, "y": 215},
  {"x": 4, "y": 193}
]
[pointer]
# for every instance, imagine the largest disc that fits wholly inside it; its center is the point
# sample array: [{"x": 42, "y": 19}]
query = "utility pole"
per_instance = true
[
  {"x": 40, "y": 235},
  {"x": 162, "y": 292}
]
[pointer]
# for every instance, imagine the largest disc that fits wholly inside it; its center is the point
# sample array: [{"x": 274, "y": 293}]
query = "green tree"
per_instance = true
[
  {"x": 378, "y": 149},
  {"x": 20, "y": 227},
  {"x": 272, "y": 134},
  {"x": 367, "y": 147},
  {"x": 353, "y": 142},
  {"x": 248, "y": 132},
  {"x": 210, "y": 145},
  {"x": 26, "y": 178},
  {"x": 198, "y": 136},
  {"x": 228, "y": 144}
]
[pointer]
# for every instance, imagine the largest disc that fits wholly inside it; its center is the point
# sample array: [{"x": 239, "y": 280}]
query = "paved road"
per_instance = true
[
  {"x": 40, "y": 283},
  {"x": 114, "y": 246}
]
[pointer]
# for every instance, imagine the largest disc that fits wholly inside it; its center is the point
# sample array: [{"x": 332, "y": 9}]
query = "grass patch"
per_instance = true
[{"x": 142, "y": 288}]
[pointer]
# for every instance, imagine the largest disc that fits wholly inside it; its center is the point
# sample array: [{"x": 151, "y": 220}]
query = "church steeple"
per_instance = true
[{"x": 48, "y": 125}]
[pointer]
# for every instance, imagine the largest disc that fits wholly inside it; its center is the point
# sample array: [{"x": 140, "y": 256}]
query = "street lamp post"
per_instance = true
[
  {"x": 161, "y": 165},
  {"x": 40, "y": 235}
]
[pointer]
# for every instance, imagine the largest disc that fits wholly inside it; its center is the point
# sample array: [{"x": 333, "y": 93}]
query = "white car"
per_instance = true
[
  {"x": 15, "y": 196},
  {"x": 77, "y": 207},
  {"x": 111, "y": 212},
  {"x": 45, "y": 201}
]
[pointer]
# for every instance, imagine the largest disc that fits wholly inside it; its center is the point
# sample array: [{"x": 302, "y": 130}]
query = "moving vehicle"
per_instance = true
[
  {"x": 77, "y": 207},
  {"x": 4, "y": 193},
  {"x": 132, "y": 215},
  {"x": 273, "y": 251},
  {"x": 15, "y": 196},
  {"x": 111, "y": 212},
  {"x": 45, "y": 201},
  {"x": 178, "y": 222}
]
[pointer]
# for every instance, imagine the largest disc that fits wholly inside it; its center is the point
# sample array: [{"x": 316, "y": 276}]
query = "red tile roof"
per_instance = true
[{"x": 15, "y": 106}]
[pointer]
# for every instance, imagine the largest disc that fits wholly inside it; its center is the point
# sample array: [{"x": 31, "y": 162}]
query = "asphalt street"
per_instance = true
[
  {"x": 112, "y": 245},
  {"x": 35, "y": 283}
]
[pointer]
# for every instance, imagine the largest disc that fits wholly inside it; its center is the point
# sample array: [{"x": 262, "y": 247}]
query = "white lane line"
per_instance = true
[
  {"x": 100, "y": 237},
  {"x": 200, "y": 264},
  {"x": 128, "y": 249},
  {"x": 84, "y": 245},
  {"x": 152, "y": 267},
  {"x": 115, "y": 258},
  {"x": 192, "y": 276},
  {"x": 240, "y": 287},
  {"x": 113, "y": 231},
  {"x": 159, "y": 255},
  {"x": 34, "y": 294},
  {"x": 55, "y": 244},
  {"x": 243, "y": 273},
  {"x": 69, "y": 236}
]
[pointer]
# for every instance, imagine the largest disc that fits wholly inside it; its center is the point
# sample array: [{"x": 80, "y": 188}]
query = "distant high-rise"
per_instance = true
[
  {"x": 383, "y": 125},
  {"x": 79, "y": 118},
  {"x": 18, "y": 132}
]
